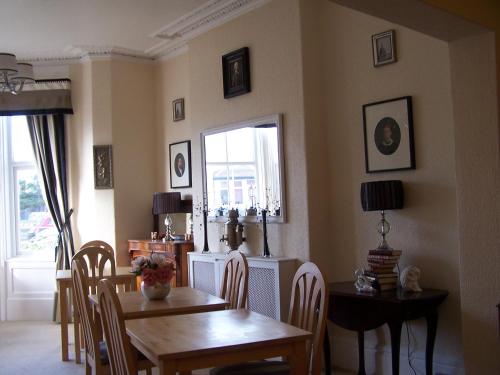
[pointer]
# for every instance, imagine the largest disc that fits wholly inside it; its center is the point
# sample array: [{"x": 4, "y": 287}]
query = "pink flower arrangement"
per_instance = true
[{"x": 157, "y": 268}]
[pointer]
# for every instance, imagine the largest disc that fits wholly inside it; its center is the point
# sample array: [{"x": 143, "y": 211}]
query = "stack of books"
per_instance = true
[{"x": 381, "y": 264}]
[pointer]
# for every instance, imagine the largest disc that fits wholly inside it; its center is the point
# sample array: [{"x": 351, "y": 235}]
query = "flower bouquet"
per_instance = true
[{"x": 156, "y": 271}]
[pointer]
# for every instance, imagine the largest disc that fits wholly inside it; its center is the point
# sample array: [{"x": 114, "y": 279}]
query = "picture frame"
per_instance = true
[
  {"x": 103, "y": 167},
  {"x": 178, "y": 113},
  {"x": 236, "y": 73},
  {"x": 180, "y": 165},
  {"x": 388, "y": 135},
  {"x": 384, "y": 48}
]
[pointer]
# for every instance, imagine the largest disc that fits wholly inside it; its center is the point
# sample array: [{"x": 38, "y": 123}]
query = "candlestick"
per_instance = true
[
  {"x": 205, "y": 245},
  {"x": 266, "y": 253}
]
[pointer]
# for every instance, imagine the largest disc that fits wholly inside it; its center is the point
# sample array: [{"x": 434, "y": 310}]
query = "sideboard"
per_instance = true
[
  {"x": 178, "y": 248},
  {"x": 269, "y": 280}
]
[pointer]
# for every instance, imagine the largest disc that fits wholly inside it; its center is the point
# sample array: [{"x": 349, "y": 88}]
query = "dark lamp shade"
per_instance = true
[
  {"x": 382, "y": 195},
  {"x": 166, "y": 203}
]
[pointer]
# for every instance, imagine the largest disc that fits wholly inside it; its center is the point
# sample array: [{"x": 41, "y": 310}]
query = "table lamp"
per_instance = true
[
  {"x": 382, "y": 196},
  {"x": 166, "y": 203}
]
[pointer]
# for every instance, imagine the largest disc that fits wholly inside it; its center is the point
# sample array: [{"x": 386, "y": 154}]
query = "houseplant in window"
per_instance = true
[{"x": 156, "y": 271}]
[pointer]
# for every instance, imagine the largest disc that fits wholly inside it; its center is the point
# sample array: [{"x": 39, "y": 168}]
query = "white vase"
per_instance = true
[{"x": 157, "y": 291}]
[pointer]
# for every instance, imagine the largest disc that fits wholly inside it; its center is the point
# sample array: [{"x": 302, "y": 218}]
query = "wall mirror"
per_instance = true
[{"x": 243, "y": 169}]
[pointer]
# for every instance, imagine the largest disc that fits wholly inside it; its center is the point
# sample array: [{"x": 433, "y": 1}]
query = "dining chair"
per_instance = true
[
  {"x": 234, "y": 287},
  {"x": 121, "y": 353},
  {"x": 98, "y": 243},
  {"x": 96, "y": 360},
  {"x": 308, "y": 309},
  {"x": 95, "y": 259}
]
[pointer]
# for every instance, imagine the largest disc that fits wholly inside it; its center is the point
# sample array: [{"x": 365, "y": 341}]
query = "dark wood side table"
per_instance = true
[
  {"x": 362, "y": 311},
  {"x": 178, "y": 248}
]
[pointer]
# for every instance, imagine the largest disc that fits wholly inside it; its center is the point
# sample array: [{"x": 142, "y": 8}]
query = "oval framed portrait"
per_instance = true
[
  {"x": 180, "y": 164},
  {"x": 387, "y": 136}
]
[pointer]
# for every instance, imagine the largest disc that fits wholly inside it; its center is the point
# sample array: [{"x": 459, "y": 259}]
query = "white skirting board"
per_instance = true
[{"x": 378, "y": 360}]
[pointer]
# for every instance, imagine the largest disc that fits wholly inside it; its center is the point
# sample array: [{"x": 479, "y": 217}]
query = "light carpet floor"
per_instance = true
[{"x": 34, "y": 348}]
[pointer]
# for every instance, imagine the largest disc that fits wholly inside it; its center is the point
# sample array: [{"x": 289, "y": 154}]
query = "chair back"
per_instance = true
[
  {"x": 81, "y": 296},
  {"x": 95, "y": 258},
  {"x": 308, "y": 309},
  {"x": 113, "y": 324},
  {"x": 98, "y": 243},
  {"x": 234, "y": 287}
]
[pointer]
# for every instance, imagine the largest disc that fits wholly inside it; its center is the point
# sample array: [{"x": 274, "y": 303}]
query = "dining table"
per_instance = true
[
  {"x": 182, "y": 300},
  {"x": 182, "y": 343},
  {"x": 123, "y": 276}
]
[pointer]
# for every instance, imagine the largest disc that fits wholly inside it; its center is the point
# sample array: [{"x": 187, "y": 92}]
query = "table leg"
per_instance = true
[
  {"x": 166, "y": 368},
  {"x": 395, "y": 328},
  {"x": 298, "y": 360},
  {"x": 432, "y": 320},
  {"x": 64, "y": 321},
  {"x": 327, "y": 353},
  {"x": 361, "y": 353}
]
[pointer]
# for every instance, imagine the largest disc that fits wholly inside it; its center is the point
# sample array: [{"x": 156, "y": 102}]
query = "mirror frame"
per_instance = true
[{"x": 276, "y": 119}]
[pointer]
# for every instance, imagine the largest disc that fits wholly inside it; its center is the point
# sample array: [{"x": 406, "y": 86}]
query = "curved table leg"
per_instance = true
[
  {"x": 361, "y": 353},
  {"x": 395, "y": 328},
  {"x": 327, "y": 353},
  {"x": 432, "y": 320}
]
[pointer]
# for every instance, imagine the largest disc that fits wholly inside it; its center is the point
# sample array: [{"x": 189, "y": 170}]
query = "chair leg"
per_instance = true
[{"x": 88, "y": 369}]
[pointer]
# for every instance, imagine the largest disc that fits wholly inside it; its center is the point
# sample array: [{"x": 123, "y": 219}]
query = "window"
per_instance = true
[{"x": 29, "y": 222}]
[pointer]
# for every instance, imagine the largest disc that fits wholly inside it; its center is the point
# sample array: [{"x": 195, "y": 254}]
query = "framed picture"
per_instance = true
[
  {"x": 178, "y": 109},
  {"x": 384, "y": 50},
  {"x": 388, "y": 132},
  {"x": 180, "y": 164},
  {"x": 103, "y": 167},
  {"x": 236, "y": 73}
]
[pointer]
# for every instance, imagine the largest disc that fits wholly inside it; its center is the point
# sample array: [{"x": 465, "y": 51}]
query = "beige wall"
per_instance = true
[
  {"x": 478, "y": 184},
  {"x": 273, "y": 35},
  {"x": 114, "y": 104}
]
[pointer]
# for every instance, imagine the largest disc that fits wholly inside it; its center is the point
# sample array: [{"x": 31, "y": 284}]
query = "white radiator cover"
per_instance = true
[{"x": 269, "y": 283}]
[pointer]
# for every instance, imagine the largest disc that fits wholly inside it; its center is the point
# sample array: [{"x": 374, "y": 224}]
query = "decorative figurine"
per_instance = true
[
  {"x": 362, "y": 283},
  {"x": 409, "y": 279},
  {"x": 234, "y": 231}
]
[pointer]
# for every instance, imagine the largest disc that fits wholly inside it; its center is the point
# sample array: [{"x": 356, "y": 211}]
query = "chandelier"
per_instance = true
[{"x": 13, "y": 75}]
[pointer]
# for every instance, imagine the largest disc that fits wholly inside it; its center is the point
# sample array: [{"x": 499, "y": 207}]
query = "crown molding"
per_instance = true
[
  {"x": 208, "y": 16},
  {"x": 174, "y": 36}
]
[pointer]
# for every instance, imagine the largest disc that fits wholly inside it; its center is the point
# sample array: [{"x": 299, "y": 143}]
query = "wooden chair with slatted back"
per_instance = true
[
  {"x": 95, "y": 259},
  {"x": 234, "y": 287},
  {"x": 95, "y": 351},
  {"x": 308, "y": 309},
  {"x": 121, "y": 354},
  {"x": 98, "y": 243}
]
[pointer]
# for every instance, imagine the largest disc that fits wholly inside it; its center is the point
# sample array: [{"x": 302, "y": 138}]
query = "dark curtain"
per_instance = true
[{"x": 48, "y": 137}]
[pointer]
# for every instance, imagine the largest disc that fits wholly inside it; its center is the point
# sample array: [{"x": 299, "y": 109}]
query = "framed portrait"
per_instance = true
[
  {"x": 103, "y": 167},
  {"x": 384, "y": 50},
  {"x": 178, "y": 109},
  {"x": 180, "y": 164},
  {"x": 388, "y": 132},
  {"x": 236, "y": 73}
]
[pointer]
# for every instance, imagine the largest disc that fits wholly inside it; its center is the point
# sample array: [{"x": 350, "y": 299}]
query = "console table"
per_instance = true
[
  {"x": 178, "y": 248},
  {"x": 361, "y": 312}
]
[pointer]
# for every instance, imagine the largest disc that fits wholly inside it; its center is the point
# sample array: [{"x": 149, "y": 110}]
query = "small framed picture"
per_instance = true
[
  {"x": 388, "y": 132},
  {"x": 103, "y": 167},
  {"x": 236, "y": 73},
  {"x": 180, "y": 164},
  {"x": 178, "y": 109},
  {"x": 384, "y": 50}
]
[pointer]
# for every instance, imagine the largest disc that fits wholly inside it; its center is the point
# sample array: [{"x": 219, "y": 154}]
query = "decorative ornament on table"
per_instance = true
[
  {"x": 233, "y": 231},
  {"x": 362, "y": 283},
  {"x": 409, "y": 279},
  {"x": 156, "y": 271}
]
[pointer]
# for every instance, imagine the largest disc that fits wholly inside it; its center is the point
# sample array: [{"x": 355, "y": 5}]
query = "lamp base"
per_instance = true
[{"x": 383, "y": 228}]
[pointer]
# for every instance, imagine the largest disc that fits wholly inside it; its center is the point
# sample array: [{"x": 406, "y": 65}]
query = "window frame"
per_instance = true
[{"x": 9, "y": 175}]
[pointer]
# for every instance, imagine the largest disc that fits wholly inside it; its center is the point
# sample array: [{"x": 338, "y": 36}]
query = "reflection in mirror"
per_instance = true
[{"x": 243, "y": 170}]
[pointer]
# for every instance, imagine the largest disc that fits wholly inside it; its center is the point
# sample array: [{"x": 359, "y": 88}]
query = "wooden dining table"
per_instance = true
[
  {"x": 179, "y": 343},
  {"x": 183, "y": 300},
  {"x": 64, "y": 285}
]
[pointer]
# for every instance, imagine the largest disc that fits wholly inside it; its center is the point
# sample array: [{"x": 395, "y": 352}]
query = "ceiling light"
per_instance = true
[{"x": 13, "y": 75}]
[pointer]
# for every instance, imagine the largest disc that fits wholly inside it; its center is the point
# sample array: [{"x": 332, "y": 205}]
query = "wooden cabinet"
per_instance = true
[
  {"x": 178, "y": 248},
  {"x": 269, "y": 281}
]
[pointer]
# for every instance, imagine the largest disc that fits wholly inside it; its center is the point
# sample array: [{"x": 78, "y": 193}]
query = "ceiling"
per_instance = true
[{"x": 54, "y": 29}]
